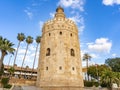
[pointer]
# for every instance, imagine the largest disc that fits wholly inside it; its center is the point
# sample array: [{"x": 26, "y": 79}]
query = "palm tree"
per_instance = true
[
  {"x": 38, "y": 40},
  {"x": 87, "y": 57},
  {"x": 5, "y": 48},
  {"x": 20, "y": 37},
  {"x": 108, "y": 77},
  {"x": 1, "y": 39},
  {"x": 117, "y": 74},
  {"x": 29, "y": 40}
]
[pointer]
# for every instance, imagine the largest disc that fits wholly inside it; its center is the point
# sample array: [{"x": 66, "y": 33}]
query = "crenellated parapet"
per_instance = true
[{"x": 60, "y": 24}]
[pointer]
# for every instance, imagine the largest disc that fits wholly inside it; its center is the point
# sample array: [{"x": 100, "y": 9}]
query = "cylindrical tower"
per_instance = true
[{"x": 59, "y": 61}]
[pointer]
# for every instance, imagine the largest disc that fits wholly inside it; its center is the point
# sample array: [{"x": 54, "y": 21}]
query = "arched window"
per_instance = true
[
  {"x": 48, "y": 52},
  {"x": 49, "y": 34},
  {"x": 72, "y": 52}
]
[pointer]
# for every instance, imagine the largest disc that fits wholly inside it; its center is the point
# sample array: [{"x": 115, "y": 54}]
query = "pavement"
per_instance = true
[
  {"x": 36, "y": 88},
  {"x": 30, "y": 88},
  {"x": 18, "y": 88}
]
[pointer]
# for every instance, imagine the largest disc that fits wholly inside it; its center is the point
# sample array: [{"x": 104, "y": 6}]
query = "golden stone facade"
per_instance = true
[{"x": 60, "y": 60}]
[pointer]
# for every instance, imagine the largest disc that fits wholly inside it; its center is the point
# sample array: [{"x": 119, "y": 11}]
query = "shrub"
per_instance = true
[
  {"x": 96, "y": 84},
  {"x": 4, "y": 81},
  {"x": 7, "y": 86},
  {"x": 91, "y": 83},
  {"x": 103, "y": 85},
  {"x": 88, "y": 83}
]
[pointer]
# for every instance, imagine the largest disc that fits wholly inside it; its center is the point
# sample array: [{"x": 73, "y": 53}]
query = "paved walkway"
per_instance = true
[
  {"x": 36, "y": 88},
  {"x": 17, "y": 88},
  {"x": 30, "y": 88}
]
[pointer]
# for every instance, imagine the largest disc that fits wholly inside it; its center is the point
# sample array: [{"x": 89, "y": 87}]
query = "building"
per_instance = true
[
  {"x": 59, "y": 61},
  {"x": 25, "y": 72},
  {"x": 28, "y": 73}
]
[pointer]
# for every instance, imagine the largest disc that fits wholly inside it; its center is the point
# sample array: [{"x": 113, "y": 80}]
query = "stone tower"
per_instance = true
[{"x": 60, "y": 60}]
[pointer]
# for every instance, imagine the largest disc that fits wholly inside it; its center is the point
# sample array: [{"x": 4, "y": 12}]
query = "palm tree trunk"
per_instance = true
[
  {"x": 1, "y": 59},
  {"x": 16, "y": 53},
  {"x": 24, "y": 58},
  {"x": 87, "y": 69},
  {"x": 34, "y": 59},
  {"x": 9, "y": 60}
]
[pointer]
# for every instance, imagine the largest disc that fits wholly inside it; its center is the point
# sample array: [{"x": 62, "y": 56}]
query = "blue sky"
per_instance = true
[{"x": 98, "y": 22}]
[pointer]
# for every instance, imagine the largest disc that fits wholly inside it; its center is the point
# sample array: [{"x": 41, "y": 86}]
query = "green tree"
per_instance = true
[
  {"x": 20, "y": 38},
  {"x": 114, "y": 63},
  {"x": 2, "y": 71},
  {"x": 38, "y": 40},
  {"x": 87, "y": 58},
  {"x": 109, "y": 77},
  {"x": 117, "y": 74},
  {"x": 29, "y": 40},
  {"x": 11, "y": 71},
  {"x": 92, "y": 71},
  {"x": 5, "y": 47},
  {"x": 95, "y": 71}
]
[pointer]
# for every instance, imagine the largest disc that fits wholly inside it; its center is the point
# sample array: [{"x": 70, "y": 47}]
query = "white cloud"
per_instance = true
[
  {"x": 29, "y": 14},
  {"x": 52, "y": 14},
  {"x": 94, "y": 55},
  {"x": 79, "y": 20},
  {"x": 77, "y": 17},
  {"x": 32, "y": 47},
  {"x": 81, "y": 28},
  {"x": 111, "y": 2},
  {"x": 101, "y": 45},
  {"x": 114, "y": 55},
  {"x": 29, "y": 59},
  {"x": 21, "y": 51},
  {"x": 82, "y": 53},
  {"x": 75, "y": 4},
  {"x": 41, "y": 24},
  {"x": 29, "y": 56}
]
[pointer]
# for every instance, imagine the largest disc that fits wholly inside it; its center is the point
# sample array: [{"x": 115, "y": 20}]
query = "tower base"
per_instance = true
[{"x": 61, "y": 88}]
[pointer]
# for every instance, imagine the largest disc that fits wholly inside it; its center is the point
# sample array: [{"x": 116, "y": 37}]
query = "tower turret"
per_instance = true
[{"x": 59, "y": 12}]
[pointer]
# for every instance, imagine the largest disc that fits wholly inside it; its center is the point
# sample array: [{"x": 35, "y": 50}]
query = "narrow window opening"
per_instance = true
[
  {"x": 60, "y": 33},
  {"x": 72, "y": 52},
  {"x": 73, "y": 68},
  {"x": 49, "y": 34},
  {"x": 60, "y": 68},
  {"x": 48, "y": 52},
  {"x": 46, "y": 68},
  {"x": 71, "y": 34}
]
